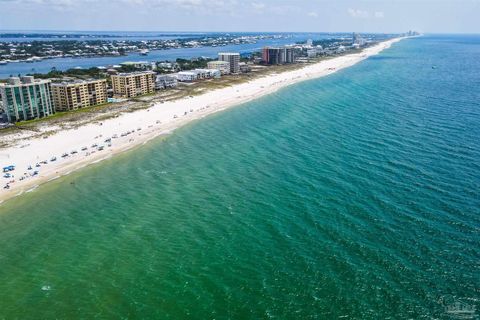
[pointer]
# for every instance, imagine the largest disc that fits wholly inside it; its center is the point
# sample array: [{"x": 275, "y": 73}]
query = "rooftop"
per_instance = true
[
  {"x": 26, "y": 80},
  {"x": 67, "y": 83},
  {"x": 135, "y": 73}
]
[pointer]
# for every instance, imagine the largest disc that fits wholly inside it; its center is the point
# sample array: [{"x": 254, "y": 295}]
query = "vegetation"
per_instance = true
[
  {"x": 199, "y": 63},
  {"x": 75, "y": 73}
]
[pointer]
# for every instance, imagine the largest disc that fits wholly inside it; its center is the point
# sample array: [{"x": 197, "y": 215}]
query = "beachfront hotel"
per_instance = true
[
  {"x": 26, "y": 98},
  {"x": 232, "y": 58},
  {"x": 278, "y": 55},
  {"x": 128, "y": 85},
  {"x": 223, "y": 66},
  {"x": 74, "y": 95}
]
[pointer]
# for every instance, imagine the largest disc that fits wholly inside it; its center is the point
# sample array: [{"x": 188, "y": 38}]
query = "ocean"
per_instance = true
[{"x": 354, "y": 196}]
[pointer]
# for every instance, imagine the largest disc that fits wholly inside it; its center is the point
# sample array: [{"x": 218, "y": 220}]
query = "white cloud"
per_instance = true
[
  {"x": 364, "y": 14},
  {"x": 285, "y": 10},
  {"x": 357, "y": 13},
  {"x": 258, "y": 7},
  {"x": 312, "y": 14},
  {"x": 61, "y": 5}
]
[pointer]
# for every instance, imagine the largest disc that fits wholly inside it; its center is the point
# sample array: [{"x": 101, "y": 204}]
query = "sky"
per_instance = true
[{"x": 386, "y": 16}]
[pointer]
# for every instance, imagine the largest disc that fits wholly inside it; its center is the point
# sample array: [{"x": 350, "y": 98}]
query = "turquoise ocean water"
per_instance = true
[{"x": 355, "y": 196}]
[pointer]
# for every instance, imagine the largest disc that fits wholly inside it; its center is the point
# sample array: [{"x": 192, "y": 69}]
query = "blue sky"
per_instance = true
[{"x": 433, "y": 16}]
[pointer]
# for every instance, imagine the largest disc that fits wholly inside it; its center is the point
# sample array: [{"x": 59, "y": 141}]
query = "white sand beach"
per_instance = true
[{"x": 116, "y": 135}]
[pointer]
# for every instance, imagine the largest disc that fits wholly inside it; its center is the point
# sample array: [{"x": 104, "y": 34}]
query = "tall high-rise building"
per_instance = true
[
  {"x": 133, "y": 84},
  {"x": 79, "y": 94},
  {"x": 26, "y": 98},
  {"x": 278, "y": 55},
  {"x": 289, "y": 55},
  {"x": 233, "y": 59}
]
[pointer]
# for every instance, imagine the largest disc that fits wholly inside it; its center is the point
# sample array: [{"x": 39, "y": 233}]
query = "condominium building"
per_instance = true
[
  {"x": 79, "y": 94},
  {"x": 165, "y": 81},
  {"x": 198, "y": 74},
  {"x": 133, "y": 84},
  {"x": 233, "y": 59},
  {"x": 223, "y": 66},
  {"x": 26, "y": 98},
  {"x": 278, "y": 55},
  {"x": 208, "y": 73},
  {"x": 187, "y": 76}
]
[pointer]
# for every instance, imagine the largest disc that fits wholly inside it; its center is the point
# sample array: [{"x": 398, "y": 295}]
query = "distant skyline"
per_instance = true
[{"x": 389, "y": 16}]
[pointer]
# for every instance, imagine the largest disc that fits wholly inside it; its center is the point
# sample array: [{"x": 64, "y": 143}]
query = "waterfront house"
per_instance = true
[{"x": 165, "y": 81}]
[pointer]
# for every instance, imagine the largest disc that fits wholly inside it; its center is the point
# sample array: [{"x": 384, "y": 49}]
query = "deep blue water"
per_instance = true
[{"x": 354, "y": 196}]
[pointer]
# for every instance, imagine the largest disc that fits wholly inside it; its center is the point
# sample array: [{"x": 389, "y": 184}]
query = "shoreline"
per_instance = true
[{"x": 145, "y": 125}]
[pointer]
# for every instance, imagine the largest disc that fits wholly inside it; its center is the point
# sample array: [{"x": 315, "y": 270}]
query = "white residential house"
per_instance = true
[
  {"x": 165, "y": 81},
  {"x": 207, "y": 73},
  {"x": 187, "y": 76}
]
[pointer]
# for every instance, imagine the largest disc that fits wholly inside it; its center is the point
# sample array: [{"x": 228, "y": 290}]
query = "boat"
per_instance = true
[
  {"x": 144, "y": 52},
  {"x": 53, "y": 159},
  {"x": 3, "y": 62}
]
